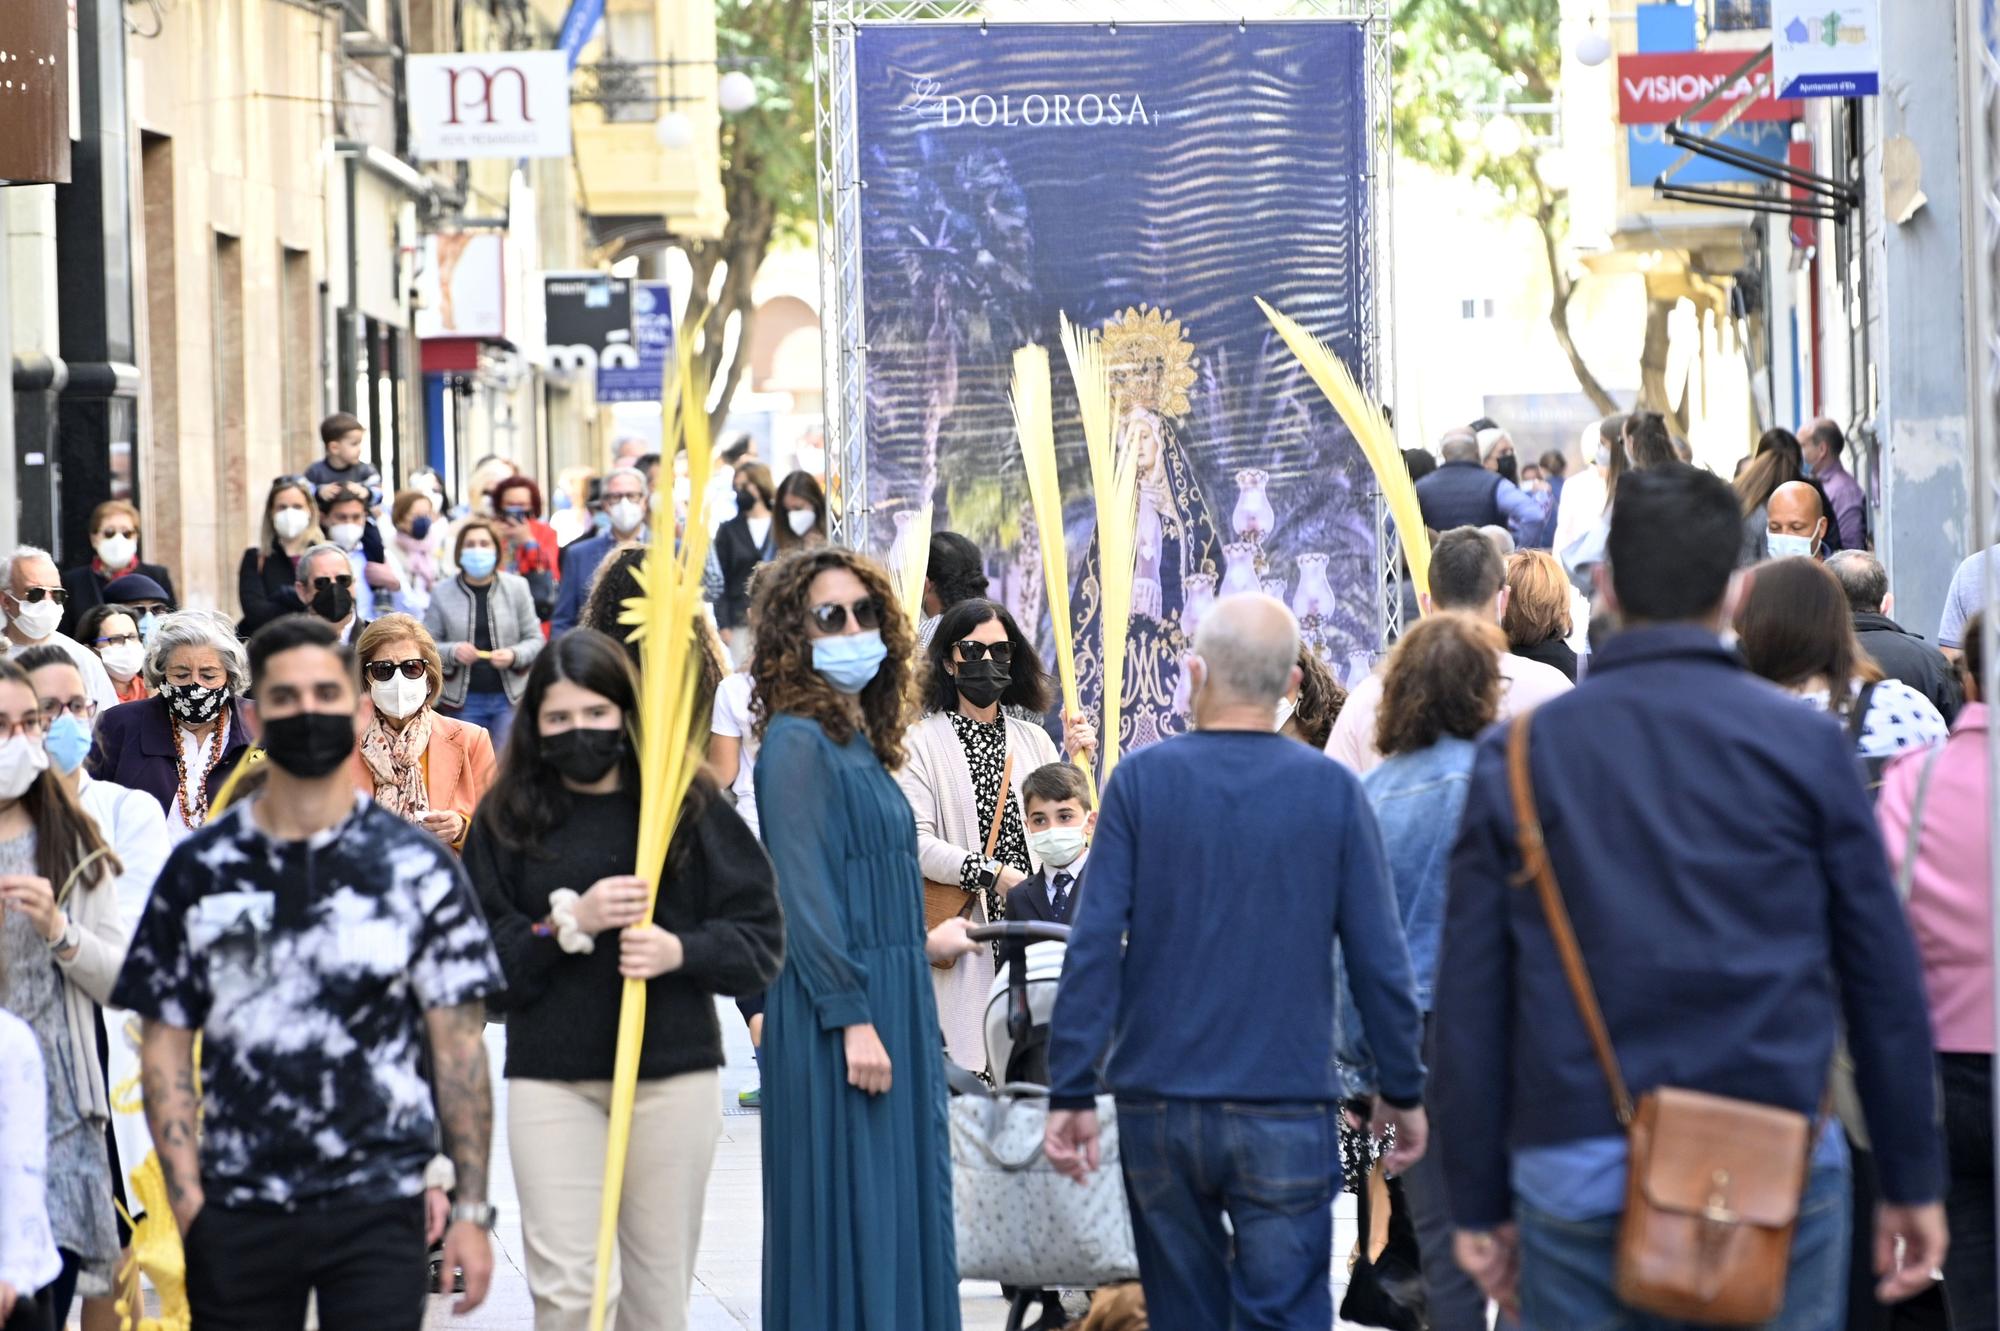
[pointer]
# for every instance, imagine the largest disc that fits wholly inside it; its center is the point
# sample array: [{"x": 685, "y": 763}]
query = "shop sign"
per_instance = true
[
  {"x": 653, "y": 338},
  {"x": 35, "y": 63},
  {"x": 1660, "y": 87},
  {"x": 589, "y": 318},
  {"x": 1827, "y": 48},
  {"x": 493, "y": 104}
]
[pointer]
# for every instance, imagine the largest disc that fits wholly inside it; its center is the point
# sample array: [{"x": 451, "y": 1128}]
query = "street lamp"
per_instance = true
[
  {"x": 1593, "y": 48},
  {"x": 1503, "y": 136},
  {"x": 735, "y": 92},
  {"x": 674, "y": 131}
]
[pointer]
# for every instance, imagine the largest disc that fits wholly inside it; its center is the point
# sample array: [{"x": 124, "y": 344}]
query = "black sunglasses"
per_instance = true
[
  {"x": 384, "y": 671},
  {"x": 1001, "y": 652},
  {"x": 832, "y": 617},
  {"x": 35, "y": 594},
  {"x": 337, "y": 580}
]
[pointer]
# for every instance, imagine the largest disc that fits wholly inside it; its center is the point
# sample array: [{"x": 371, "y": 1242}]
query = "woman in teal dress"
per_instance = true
[{"x": 857, "y": 1170}]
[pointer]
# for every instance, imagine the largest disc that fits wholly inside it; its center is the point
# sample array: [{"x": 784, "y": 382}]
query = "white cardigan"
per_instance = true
[{"x": 938, "y": 783}]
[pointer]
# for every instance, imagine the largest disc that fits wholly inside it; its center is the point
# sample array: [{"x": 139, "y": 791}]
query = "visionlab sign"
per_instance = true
[
  {"x": 1661, "y": 87},
  {"x": 496, "y": 104}
]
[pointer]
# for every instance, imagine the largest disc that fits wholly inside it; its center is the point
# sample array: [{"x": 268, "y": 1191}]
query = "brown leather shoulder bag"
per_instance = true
[
  {"x": 1714, "y": 1184},
  {"x": 945, "y": 901}
]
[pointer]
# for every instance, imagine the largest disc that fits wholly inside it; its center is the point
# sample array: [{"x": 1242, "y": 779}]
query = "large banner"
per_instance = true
[{"x": 1149, "y": 181}]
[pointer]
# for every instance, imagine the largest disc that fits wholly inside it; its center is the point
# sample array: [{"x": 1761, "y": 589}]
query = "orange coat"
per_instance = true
[{"x": 458, "y": 769}]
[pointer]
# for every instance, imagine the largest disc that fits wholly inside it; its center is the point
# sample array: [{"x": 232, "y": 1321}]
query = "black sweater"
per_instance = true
[{"x": 721, "y": 900}]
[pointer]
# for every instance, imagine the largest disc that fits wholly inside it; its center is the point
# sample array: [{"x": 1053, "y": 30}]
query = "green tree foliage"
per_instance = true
[{"x": 1454, "y": 55}]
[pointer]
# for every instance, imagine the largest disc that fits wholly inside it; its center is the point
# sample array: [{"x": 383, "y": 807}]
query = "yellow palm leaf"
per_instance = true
[
  {"x": 1364, "y": 420},
  {"x": 910, "y": 572}
]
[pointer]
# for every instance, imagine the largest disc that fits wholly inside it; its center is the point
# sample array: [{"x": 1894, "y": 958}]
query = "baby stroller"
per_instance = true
[{"x": 1019, "y": 1222}]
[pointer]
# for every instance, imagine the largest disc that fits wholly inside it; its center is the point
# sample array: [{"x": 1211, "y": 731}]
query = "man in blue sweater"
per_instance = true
[
  {"x": 1227, "y": 865},
  {"x": 625, "y": 507},
  {"x": 1718, "y": 856}
]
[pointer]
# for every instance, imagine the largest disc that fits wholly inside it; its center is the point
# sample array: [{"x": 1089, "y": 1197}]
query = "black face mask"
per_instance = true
[
  {"x": 584, "y": 756},
  {"x": 333, "y": 603},
  {"x": 745, "y": 500},
  {"x": 310, "y": 744},
  {"x": 982, "y": 682},
  {"x": 1509, "y": 468}
]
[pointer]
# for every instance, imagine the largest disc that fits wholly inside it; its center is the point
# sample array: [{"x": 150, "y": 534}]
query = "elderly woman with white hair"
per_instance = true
[{"x": 181, "y": 745}]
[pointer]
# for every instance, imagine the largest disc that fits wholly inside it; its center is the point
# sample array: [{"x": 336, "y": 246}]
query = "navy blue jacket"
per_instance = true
[
  {"x": 136, "y": 747},
  {"x": 580, "y": 559},
  {"x": 1226, "y": 866},
  {"x": 1722, "y": 865},
  {"x": 1461, "y": 494}
]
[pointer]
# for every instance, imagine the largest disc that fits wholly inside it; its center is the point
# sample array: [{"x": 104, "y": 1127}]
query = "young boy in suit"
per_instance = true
[{"x": 1055, "y": 801}]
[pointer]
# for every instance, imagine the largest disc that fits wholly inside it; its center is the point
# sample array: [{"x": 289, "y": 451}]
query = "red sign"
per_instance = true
[{"x": 1662, "y": 87}]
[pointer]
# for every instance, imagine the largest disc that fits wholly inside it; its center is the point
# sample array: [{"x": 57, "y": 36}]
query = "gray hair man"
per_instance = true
[
  {"x": 1901, "y": 654},
  {"x": 626, "y": 500},
  {"x": 1466, "y": 492},
  {"x": 31, "y": 603},
  {"x": 326, "y": 588},
  {"x": 1246, "y": 858}
]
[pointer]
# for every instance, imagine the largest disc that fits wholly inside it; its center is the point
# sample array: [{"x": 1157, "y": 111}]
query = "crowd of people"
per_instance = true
[{"x": 1647, "y": 735}]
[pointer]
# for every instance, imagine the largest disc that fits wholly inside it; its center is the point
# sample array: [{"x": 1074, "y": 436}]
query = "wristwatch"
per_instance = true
[
  {"x": 68, "y": 939},
  {"x": 481, "y": 1214},
  {"x": 989, "y": 873}
]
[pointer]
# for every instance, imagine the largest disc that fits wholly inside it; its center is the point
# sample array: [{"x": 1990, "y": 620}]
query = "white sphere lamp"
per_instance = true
[
  {"x": 735, "y": 92},
  {"x": 1503, "y": 136},
  {"x": 1593, "y": 48},
  {"x": 674, "y": 131}
]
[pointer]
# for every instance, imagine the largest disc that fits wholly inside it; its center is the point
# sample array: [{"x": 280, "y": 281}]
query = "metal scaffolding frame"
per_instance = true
[{"x": 845, "y": 335}]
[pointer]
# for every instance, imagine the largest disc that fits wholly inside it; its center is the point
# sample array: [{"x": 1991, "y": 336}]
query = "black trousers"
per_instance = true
[
  {"x": 1969, "y": 1278},
  {"x": 251, "y": 1270}
]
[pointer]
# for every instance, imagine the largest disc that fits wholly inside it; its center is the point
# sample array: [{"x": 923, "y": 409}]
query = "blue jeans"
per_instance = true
[
  {"x": 1273, "y": 1170},
  {"x": 489, "y": 711},
  {"x": 1566, "y": 1268}
]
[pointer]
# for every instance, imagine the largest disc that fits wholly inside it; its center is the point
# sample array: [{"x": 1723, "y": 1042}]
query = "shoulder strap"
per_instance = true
[
  {"x": 1535, "y": 867},
  {"x": 1000, "y": 804},
  {"x": 1857, "y": 719},
  {"x": 1906, "y": 875}
]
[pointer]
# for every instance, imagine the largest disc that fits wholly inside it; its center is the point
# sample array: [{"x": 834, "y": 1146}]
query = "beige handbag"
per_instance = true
[{"x": 948, "y": 901}]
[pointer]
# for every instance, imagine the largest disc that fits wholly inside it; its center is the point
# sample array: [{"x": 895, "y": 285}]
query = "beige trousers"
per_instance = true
[{"x": 556, "y": 1133}]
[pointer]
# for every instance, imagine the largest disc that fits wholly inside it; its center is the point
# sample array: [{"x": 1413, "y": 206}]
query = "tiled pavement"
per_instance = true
[{"x": 729, "y": 1268}]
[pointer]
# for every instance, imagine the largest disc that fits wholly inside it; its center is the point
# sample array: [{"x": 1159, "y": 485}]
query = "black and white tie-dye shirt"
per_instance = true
[{"x": 308, "y": 967}]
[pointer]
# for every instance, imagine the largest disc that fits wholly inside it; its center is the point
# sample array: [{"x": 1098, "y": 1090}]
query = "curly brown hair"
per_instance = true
[
  {"x": 1320, "y": 699},
  {"x": 781, "y": 668},
  {"x": 1442, "y": 679}
]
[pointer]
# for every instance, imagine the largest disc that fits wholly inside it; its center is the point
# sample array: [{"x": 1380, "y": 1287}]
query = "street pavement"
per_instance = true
[{"x": 729, "y": 1267}]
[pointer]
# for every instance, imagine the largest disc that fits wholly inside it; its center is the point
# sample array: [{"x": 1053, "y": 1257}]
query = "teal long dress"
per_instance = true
[{"x": 857, "y": 1188}]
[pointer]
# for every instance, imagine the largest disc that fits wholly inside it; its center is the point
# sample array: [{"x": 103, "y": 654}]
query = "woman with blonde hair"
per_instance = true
[
  {"x": 115, "y": 532},
  {"x": 266, "y": 579},
  {"x": 427, "y": 769},
  {"x": 1538, "y": 619}
]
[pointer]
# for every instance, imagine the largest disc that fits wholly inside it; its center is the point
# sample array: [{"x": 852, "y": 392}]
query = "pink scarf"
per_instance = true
[{"x": 396, "y": 762}]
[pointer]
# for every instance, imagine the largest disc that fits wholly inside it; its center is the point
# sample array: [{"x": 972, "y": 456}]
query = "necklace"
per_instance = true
[{"x": 197, "y": 815}]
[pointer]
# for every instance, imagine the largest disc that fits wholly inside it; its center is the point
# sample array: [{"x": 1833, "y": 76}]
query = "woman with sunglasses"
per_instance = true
[
  {"x": 426, "y": 769},
  {"x": 181, "y": 745},
  {"x": 131, "y": 824},
  {"x": 264, "y": 581},
  {"x": 857, "y": 1171},
  {"x": 112, "y": 631},
  {"x": 486, "y": 629},
  {"x": 61, "y": 943},
  {"x": 984, "y": 678}
]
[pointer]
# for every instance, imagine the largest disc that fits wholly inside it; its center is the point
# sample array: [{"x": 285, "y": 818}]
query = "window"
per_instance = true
[{"x": 1739, "y": 15}]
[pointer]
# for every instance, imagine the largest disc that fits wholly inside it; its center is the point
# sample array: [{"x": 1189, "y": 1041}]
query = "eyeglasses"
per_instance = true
[
  {"x": 832, "y": 617},
  {"x": 118, "y": 640},
  {"x": 337, "y": 580},
  {"x": 80, "y": 708},
  {"x": 34, "y": 595},
  {"x": 384, "y": 671},
  {"x": 1001, "y": 652},
  {"x": 281, "y": 482},
  {"x": 29, "y": 726}
]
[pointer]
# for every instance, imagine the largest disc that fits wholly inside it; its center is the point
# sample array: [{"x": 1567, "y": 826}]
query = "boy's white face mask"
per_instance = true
[{"x": 1057, "y": 847}]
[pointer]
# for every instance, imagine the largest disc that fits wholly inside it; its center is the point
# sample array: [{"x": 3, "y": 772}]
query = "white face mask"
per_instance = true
[
  {"x": 1285, "y": 709},
  {"x": 21, "y": 761},
  {"x": 400, "y": 697},
  {"x": 117, "y": 551},
  {"x": 37, "y": 619},
  {"x": 346, "y": 535},
  {"x": 123, "y": 660},
  {"x": 801, "y": 520},
  {"x": 626, "y": 514},
  {"x": 1790, "y": 547},
  {"x": 1057, "y": 847},
  {"x": 290, "y": 523}
]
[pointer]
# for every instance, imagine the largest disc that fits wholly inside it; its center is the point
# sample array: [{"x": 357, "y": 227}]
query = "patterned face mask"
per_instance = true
[{"x": 194, "y": 705}]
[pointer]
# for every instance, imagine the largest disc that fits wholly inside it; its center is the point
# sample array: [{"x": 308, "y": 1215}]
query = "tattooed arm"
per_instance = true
[
  {"x": 166, "y": 1069},
  {"x": 462, "y": 1086}
]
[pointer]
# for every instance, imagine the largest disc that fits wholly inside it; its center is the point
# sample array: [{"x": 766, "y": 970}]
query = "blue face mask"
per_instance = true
[
  {"x": 479, "y": 562},
  {"x": 68, "y": 742},
  {"x": 147, "y": 623},
  {"x": 1806, "y": 469},
  {"x": 420, "y": 526},
  {"x": 849, "y": 661}
]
